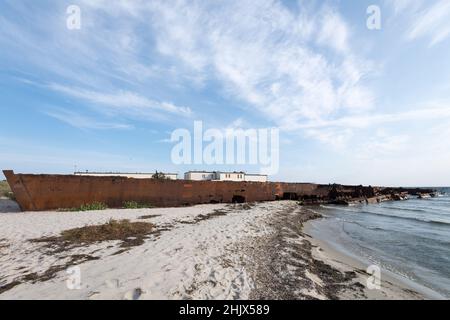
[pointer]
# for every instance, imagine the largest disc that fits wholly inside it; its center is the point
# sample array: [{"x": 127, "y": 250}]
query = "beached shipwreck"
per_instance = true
[{"x": 51, "y": 192}]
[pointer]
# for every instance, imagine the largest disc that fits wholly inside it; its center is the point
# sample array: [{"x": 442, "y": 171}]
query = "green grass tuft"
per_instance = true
[
  {"x": 87, "y": 207},
  {"x": 136, "y": 205},
  {"x": 5, "y": 190},
  {"x": 94, "y": 206}
]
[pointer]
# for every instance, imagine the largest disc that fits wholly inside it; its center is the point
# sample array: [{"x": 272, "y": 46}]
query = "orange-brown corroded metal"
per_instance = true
[{"x": 50, "y": 192}]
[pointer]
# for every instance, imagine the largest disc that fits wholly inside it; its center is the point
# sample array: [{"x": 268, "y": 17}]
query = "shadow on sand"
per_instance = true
[{"x": 8, "y": 206}]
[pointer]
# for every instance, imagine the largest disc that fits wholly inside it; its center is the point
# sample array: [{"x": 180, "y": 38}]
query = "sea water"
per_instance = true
[{"x": 409, "y": 238}]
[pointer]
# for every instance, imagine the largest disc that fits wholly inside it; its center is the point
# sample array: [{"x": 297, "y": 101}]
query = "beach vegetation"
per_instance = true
[
  {"x": 160, "y": 176},
  {"x": 5, "y": 190},
  {"x": 113, "y": 230},
  {"x": 136, "y": 205},
  {"x": 130, "y": 233},
  {"x": 94, "y": 206}
]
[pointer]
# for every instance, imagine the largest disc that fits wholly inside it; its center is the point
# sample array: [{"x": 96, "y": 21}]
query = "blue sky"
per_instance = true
[{"x": 353, "y": 105}]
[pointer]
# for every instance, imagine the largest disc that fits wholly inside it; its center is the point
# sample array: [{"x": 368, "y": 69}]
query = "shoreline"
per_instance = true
[
  {"x": 252, "y": 251},
  {"x": 297, "y": 265},
  {"x": 393, "y": 286}
]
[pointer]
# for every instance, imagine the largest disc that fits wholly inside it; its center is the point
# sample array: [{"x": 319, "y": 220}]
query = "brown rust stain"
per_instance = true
[{"x": 52, "y": 192}]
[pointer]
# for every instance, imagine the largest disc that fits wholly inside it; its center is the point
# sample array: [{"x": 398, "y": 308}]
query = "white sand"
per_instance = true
[
  {"x": 187, "y": 255},
  {"x": 189, "y": 261}
]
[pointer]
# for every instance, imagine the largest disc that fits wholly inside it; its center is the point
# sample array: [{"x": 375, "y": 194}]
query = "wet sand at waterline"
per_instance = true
[{"x": 216, "y": 251}]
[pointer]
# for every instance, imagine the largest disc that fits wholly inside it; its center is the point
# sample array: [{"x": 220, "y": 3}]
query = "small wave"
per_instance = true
[
  {"x": 437, "y": 222},
  {"x": 340, "y": 208},
  {"x": 436, "y": 210},
  {"x": 442, "y": 200},
  {"x": 364, "y": 226},
  {"x": 406, "y": 209}
]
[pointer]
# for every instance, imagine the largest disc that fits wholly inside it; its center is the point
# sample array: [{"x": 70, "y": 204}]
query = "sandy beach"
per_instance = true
[
  {"x": 216, "y": 251},
  {"x": 393, "y": 286}
]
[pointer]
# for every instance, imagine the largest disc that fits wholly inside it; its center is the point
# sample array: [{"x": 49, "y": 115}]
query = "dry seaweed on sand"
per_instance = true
[
  {"x": 130, "y": 233},
  {"x": 283, "y": 267}
]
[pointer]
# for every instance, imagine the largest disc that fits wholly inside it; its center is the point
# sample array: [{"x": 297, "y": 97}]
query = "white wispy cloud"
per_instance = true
[
  {"x": 334, "y": 32},
  {"x": 263, "y": 56},
  {"x": 402, "y": 6},
  {"x": 83, "y": 122},
  {"x": 294, "y": 66},
  {"x": 102, "y": 63},
  {"x": 122, "y": 101},
  {"x": 423, "y": 114},
  {"x": 428, "y": 20},
  {"x": 382, "y": 144},
  {"x": 337, "y": 139},
  {"x": 290, "y": 66},
  {"x": 433, "y": 22}
]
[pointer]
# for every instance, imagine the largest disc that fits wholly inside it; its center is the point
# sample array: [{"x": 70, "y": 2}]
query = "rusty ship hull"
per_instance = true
[{"x": 51, "y": 192}]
